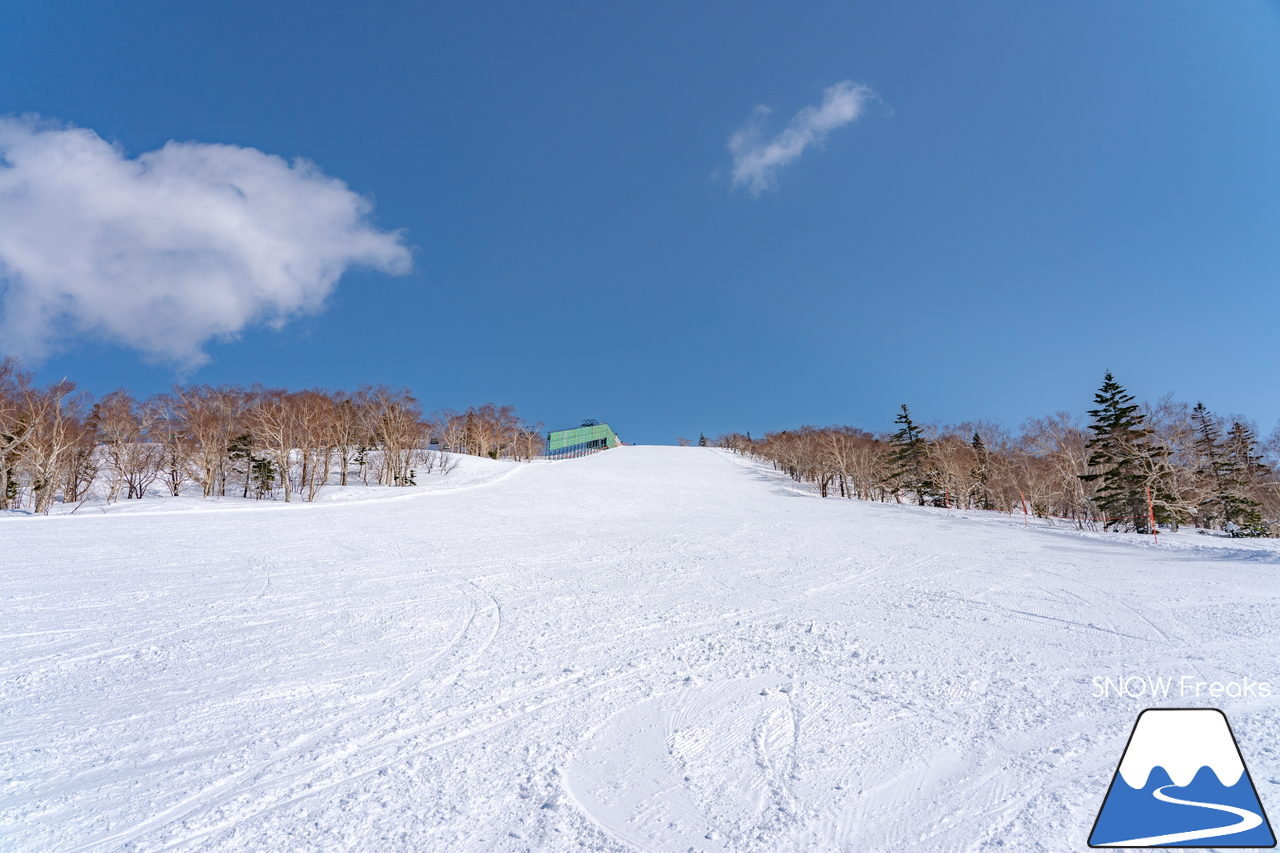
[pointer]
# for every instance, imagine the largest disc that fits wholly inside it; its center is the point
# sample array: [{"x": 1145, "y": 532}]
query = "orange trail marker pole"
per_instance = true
[{"x": 1024, "y": 507}]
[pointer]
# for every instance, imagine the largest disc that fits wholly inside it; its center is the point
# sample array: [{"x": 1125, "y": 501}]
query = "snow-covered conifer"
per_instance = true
[
  {"x": 911, "y": 466},
  {"x": 1131, "y": 468},
  {"x": 1249, "y": 471}
]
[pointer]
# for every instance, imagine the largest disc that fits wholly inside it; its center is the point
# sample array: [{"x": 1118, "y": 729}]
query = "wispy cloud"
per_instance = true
[
  {"x": 756, "y": 161},
  {"x": 171, "y": 249}
]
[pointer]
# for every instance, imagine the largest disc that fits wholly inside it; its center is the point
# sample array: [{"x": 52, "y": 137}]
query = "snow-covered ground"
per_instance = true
[
  {"x": 462, "y": 472},
  {"x": 652, "y": 648}
]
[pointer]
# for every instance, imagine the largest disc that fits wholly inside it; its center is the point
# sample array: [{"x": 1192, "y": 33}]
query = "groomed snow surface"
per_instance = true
[{"x": 651, "y": 648}]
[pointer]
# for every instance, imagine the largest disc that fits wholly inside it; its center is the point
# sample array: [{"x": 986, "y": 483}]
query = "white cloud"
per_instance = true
[
  {"x": 167, "y": 251},
  {"x": 756, "y": 162}
]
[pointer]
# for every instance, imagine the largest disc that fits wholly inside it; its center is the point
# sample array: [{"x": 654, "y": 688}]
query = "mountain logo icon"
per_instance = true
[{"x": 1182, "y": 783}]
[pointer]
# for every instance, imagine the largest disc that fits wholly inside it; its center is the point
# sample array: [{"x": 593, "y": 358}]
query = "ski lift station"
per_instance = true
[{"x": 591, "y": 437}]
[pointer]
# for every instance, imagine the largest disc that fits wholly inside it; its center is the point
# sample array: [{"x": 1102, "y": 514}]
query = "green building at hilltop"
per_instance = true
[{"x": 591, "y": 437}]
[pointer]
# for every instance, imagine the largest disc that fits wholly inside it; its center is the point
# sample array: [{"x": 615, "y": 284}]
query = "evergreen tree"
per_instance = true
[
  {"x": 240, "y": 450},
  {"x": 702, "y": 440},
  {"x": 1127, "y": 462},
  {"x": 1208, "y": 439},
  {"x": 981, "y": 473},
  {"x": 264, "y": 477},
  {"x": 912, "y": 468},
  {"x": 1242, "y": 514},
  {"x": 1229, "y": 467},
  {"x": 1215, "y": 471}
]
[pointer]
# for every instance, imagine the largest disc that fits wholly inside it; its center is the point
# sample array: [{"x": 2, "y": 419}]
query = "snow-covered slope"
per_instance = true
[
  {"x": 464, "y": 473},
  {"x": 650, "y": 648}
]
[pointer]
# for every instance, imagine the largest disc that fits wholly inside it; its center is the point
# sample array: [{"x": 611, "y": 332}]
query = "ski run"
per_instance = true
[{"x": 652, "y": 648}]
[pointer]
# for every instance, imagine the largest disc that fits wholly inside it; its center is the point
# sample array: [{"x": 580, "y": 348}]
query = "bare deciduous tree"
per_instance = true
[
  {"x": 132, "y": 460},
  {"x": 274, "y": 419},
  {"x": 17, "y": 403},
  {"x": 211, "y": 416},
  {"x": 394, "y": 420},
  {"x": 268, "y": 441},
  {"x": 57, "y": 415}
]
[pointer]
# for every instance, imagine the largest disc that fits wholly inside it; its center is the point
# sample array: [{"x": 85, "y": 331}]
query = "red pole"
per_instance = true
[
  {"x": 1024, "y": 507},
  {"x": 1151, "y": 516}
]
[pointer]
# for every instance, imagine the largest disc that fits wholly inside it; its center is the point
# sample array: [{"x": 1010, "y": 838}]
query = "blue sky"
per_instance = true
[{"x": 1032, "y": 194}]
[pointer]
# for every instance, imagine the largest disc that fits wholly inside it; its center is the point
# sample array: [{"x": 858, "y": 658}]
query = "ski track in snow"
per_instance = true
[{"x": 662, "y": 649}]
